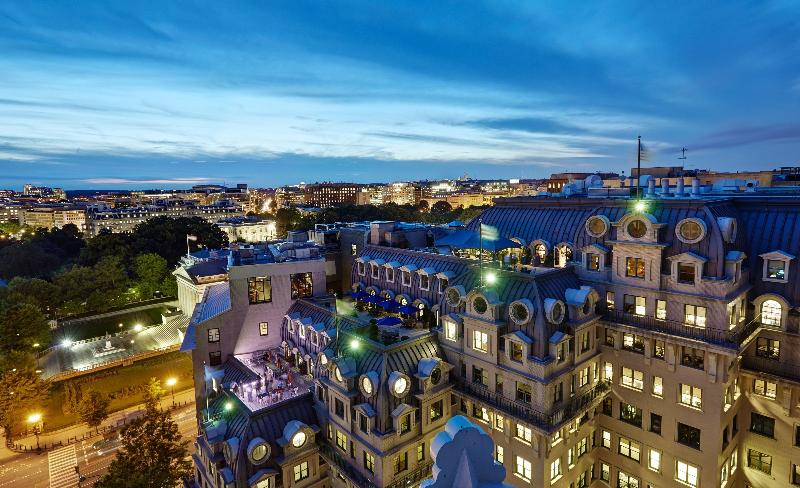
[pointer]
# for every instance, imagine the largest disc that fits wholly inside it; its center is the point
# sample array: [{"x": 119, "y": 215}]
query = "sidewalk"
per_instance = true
[{"x": 76, "y": 432}]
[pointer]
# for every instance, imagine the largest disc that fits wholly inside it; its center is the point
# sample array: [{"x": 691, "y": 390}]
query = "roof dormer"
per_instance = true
[{"x": 775, "y": 266}]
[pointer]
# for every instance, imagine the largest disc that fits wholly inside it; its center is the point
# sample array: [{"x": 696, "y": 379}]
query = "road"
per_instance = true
[{"x": 56, "y": 468}]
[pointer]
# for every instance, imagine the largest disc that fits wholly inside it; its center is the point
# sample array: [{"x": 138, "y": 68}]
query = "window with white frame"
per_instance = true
[
  {"x": 771, "y": 311},
  {"x": 524, "y": 433},
  {"x": 390, "y": 274},
  {"x": 406, "y": 277},
  {"x": 625, "y": 480},
  {"x": 691, "y": 396},
  {"x": 768, "y": 348},
  {"x": 443, "y": 284},
  {"x": 694, "y": 315},
  {"x": 498, "y": 454},
  {"x": 522, "y": 468},
  {"x": 450, "y": 331},
  {"x": 606, "y": 439},
  {"x": 608, "y": 371},
  {"x": 686, "y": 473},
  {"x": 555, "y": 470},
  {"x": 629, "y": 449},
  {"x": 424, "y": 282},
  {"x": 583, "y": 377},
  {"x": 213, "y": 335},
  {"x": 631, "y": 378},
  {"x": 654, "y": 460},
  {"x": 263, "y": 328},
  {"x": 301, "y": 330},
  {"x": 499, "y": 422},
  {"x": 361, "y": 268},
  {"x": 661, "y": 309},
  {"x": 658, "y": 386},
  {"x": 480, "y": 341},
  {"x": 376, "y": 271}
]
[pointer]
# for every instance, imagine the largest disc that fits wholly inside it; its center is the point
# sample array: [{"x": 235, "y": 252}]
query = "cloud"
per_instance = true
[
  {"x": 155, "y": 181},
  {"x": 749, "y": 134}
]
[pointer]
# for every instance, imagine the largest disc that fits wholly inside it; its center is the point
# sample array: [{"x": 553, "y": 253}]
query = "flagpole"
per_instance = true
[
  {"x": 638, "y": 166},
  {"x": 188, "y": 249}
]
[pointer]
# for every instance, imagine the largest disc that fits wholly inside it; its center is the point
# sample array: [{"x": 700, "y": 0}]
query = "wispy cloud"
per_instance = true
[{"x": 155, "y": 181}]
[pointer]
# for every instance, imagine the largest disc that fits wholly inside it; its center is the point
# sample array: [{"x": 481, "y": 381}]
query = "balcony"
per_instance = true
[
  {"x": 335, "y": 458},
  {"x": 755, "y": 364},
  {"x": 546, "y": 421},
  {"x": 732, "y": 339}
]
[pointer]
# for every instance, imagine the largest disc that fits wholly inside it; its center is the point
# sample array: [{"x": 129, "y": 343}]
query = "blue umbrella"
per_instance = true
[
  {"x": 471, "y": 239},
  {"x": 373, "y": 299},
  {"x": 408, "y": 310},
  {"x": 389, "y": 321},
  {"x": 389, "y": 305},
  {"x": 359, "y": 295}
]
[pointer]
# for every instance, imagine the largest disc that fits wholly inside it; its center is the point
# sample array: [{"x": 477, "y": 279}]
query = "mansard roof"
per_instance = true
[{"x": 422, "y": 260}]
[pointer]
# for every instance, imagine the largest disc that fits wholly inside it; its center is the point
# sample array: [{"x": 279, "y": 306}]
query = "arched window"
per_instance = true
[
  {"x": 540, "y": 251},
  {"x": 771, "y": 313},
  {"x": 563, "y": 255}
]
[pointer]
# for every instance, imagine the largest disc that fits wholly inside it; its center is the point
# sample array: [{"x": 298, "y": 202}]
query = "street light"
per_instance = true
[
  {"x": 138, "y": 328},
  {"x": 36, "y": 419},
  {"x": 171, "y": 383}
]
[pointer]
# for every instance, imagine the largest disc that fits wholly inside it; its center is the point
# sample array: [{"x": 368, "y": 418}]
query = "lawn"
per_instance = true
[{"x": 113, "y": 381}]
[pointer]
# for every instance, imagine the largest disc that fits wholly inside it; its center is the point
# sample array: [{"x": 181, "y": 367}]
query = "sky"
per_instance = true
[{"x": 128, "y": 94}]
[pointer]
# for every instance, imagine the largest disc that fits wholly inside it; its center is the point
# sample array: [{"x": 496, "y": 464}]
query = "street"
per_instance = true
[{"x": 56, "y": 468}]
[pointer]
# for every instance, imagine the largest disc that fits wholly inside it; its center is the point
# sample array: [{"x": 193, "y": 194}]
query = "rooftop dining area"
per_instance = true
[{"x": 273, "y": 380}]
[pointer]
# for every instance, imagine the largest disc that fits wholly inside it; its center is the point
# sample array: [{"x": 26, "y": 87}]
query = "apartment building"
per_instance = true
[
  {"x": 638, "y": 343},
  {"x": 49, "y": 217},
  {"x": 248, "y": 229},
  {"x": 125, "y": 220},
  {"x": 330, "y": 194}
]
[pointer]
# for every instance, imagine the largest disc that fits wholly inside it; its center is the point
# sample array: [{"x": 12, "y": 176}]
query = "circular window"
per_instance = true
[
  {"x": 400, "y": 386},
  {"x": 453, "y": 297},
  {"x": 557, "y": 313},
  {"x": 480, "y": 305},
  {"x": 337, "y": 373},
  {"x": 597, "y": 226},
  {"x": 299, "y": 439},
  {"x": 519, "y": 312},
  {"x": 436, "y": 376},
  {"x": 403, "y": 301},
  {"x": 323, "y": 359},
  {"x": 259, "y": 452},
  {"x": 587, "y": 307},
  {"x": 637, "y": 228},
  {"x": 366, "y": 385},
  {"x": 690, "y": 231}
]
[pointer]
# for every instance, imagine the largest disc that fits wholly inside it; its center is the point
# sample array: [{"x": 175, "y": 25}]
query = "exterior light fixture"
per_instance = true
[
  {"x": 137, "y": 328},
  {"x": 228, "y": 406},
  {"x": 491, "y": 278},
  {"x": 639, "y": 206},
  {"x": 34, "y": 418},
  {"x": 66, "y": 342},
  {"x": 354, "y": 344}
]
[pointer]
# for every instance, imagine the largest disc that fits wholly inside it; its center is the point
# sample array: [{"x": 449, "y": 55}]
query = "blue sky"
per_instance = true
[{"x": 132, "y": 94}]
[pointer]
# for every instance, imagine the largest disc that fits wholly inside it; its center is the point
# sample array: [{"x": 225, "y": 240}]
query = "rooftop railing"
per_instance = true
[
  {"x": 726, "y": 338},
  {"x": 546, "y": 421},
  {"x": 419, "y": 473},
  {"x": 334, "y": 458},
  {"x": 790, "y": 371}
]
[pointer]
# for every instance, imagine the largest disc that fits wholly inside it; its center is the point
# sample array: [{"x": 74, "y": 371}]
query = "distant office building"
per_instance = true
[
  {"x": 49, "y": 217},
  {"x": 9, "y": 211},
  {"x": 290, "y": 196},
  {"x": 331, "y": 194}
]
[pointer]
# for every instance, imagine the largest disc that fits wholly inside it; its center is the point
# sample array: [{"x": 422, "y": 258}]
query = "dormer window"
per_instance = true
[
  {"x": 637, "y": 229},
  {"x": 516, "y": 352},
  {"x": 424, "y": 282},
  {"x": 634, "y": 267},
  {"x": 376, "y": 272},
  {"x": 686, "y": 273},
  {"x": 443, "y": 284},
  {"x": 540, "y": 251},
  {"x": 771, "y": 311},
  {"x": 390, "y": 275},
  {"x": 776, "y": 266},
  {"x": 450, "y": 331},
  {"x": 776, "y": 269},
  {"x": 406, "y": 276},
  {"x": 361, "y": 268},
  {"x": 593, "y": 262}
]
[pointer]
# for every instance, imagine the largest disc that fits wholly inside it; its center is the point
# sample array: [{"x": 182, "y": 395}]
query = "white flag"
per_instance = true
[{"x": 190, "y": 237}]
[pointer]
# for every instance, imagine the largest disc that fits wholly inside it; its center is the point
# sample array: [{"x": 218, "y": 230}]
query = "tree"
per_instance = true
[
  {"x": 441, "y": 207},
  {"x": 22, "y": 391},
  {"x": 26, "y": 259},
  {"x": 166, "y": 237},
  {"x": 151, "y": 271},
  {"x": 37, "y": 291},
  {"x": 93, "y": 408},
  {"x": 153, "y": 455},
  {"x": 152, "y": 394},
  {"x": 22, "y": 326}
]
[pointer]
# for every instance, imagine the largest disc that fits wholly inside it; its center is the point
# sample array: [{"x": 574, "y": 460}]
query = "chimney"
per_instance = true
[
  {"x": 651, "y": 187},
  {"x": 695, "y": 187},
  {"x": 679, "y": 190},
  {"x": 664, "y": 187}
]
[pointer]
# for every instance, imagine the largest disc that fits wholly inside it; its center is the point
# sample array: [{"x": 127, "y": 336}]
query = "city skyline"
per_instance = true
[{"x": 111, "y": 95}]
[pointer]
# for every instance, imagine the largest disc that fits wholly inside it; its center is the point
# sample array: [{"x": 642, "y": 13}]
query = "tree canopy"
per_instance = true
[
  {"x": 153, "y": 455},
  {"x": 93, "y": 408}
]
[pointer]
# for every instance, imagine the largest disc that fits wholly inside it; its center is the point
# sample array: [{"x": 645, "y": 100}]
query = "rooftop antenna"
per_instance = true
[{"x": 683, "y": 154}]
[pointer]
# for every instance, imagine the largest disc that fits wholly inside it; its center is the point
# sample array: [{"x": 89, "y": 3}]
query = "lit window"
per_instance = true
[
  {"x": 658, "y": 386},
  {"x": 610, "y": 299},
  {"x": 593, "y": 262},
  {"x": 608, "y": 371},
  {"x": 555, "y": 470},
  {"x": 606, "y": 441},
  {"x": 301, "y": 471},
  {"x": 629, "y": 449},
  {"x": 632, "y": 378},
  {"x": 661, "y": 309},
  {"x": 654, "y": 460},
  {"x": 524, "y": 433},
  {"x": 686, "y": 473},
  {"x": 771, "y": 312},
  {"x": 369, "y": 462},
  {"x": 498, "y": 454},
  {"x": 499, "y": 422},
  {"x": 691, "y": 396},
  {"x": 634, "y": 304},
  {"x": 634, "y": 267},
  {"x": 686, "y": 273},
  {"x": 765, "y": 388},
  {"x": 263, "y": 328},
  {"x": 624, "y": 480},
  {"x": 694, "y": 315},
  {"x": 583, "y": 377},
  {"x": 760, "y": 461},
  {"x": 213, "y": 335},
  {"x": 450, "y": 331},
  {"x": 480, "y": 341},
  {"x": 341, "y": 440},
  {"x": 768, "y": 348},
  {"x": 523, "y": 468},
  {"x": 776, "y": 269}
]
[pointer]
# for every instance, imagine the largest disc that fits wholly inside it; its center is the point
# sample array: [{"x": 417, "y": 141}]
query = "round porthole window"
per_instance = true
[
  {"x": 520, "y": 311},
  {"x": 690, "y": 231},
  {"x": 299, "y": 439},
  {"x": 479, "y": 305},
  {"x": 453, "y": 297},
  {"x": 436, "y": 376},
  {"x": 637, "y": 228},
  {"x": 366, "y": 385},
  {"x": 337, "y": 373},
  {"x": 399, "y": 384},
  {"x": 597, "y": 226},
  {"x": 258, "y": 450}
]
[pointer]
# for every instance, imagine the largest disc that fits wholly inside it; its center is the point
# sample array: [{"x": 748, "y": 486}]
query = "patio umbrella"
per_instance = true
[
  {"x": 471, "y": 239},
  {"x": 389, "y": 305},
  {"x": 407, "y": 309},
  {"x": 373, "y": 299},
  {"x": 359, "y": 295},
  {"x": 389, "y": 321}
]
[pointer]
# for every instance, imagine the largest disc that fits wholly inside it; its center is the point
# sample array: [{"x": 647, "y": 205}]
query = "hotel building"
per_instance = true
[{"x": 632, "y": 344}]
